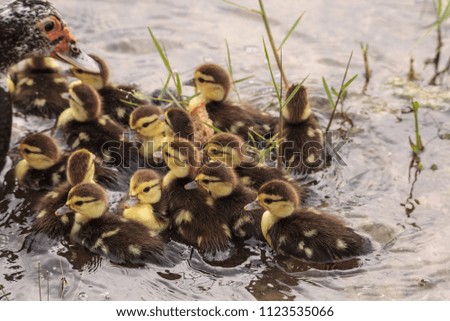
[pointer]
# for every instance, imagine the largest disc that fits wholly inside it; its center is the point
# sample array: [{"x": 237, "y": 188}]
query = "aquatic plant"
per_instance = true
[
  {"x": 4, "y": 294},
  {"x": 367, "y": 70},
  {"x": 416, "y": 147},
  {"x": 340, "y": 94},
  {"x": 230, "y": 71}
]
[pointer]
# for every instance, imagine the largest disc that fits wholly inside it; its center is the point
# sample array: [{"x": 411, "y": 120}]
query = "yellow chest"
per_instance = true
[
  {"x": 267, "y": 221},
  {"x": 144, "y": 214}
]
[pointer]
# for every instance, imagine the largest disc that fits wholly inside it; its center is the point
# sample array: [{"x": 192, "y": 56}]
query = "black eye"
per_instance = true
[
  {"x": 147, "y": 189},
  {"x": 27, "y": 151},
  {"x": 206, "y": 181},
  {"x": 145, "y": 125},
  {"x": 214, "y": 151},
  {"x": 49, "y": 26},
  {"x": 167, "y": 154},
  {"x": 78, "y": 203},
  {"x": 268, "y": 201},
  {"x": 202, "y": 80},
  {"x": 79, "y": 71}
]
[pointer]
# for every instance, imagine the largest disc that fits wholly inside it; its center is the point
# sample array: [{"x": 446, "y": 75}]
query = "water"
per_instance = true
[{"x": 412, "y": 260}]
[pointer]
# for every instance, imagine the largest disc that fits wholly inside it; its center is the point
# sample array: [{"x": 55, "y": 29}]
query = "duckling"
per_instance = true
[
  {"x": 232, "y": 150},
  {"x": 213, "y": 84},
  {"x": 145, "y": 120},
  {"x": 84, "y": 126},
  {"x": 302, "y": 147},
  {"x": 38, "y": 87},
  {"x": 178, "y": 123},
  {"x": 106, "y": 234},
  {"x": 230, "y": 197},
  {"x": 304, "y": 233},
  {"x": 29, "y": 29},
  {"x": 82, "y": 167},
  {"x": 146, "y": 204},
  {"x": 119, "y": 101},
  {"x": 191, "y": 212},
  {"x": 42, "y": 166}
]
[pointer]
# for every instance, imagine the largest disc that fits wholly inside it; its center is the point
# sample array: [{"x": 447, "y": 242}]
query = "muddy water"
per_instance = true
[{"x": 412, "y": 260}]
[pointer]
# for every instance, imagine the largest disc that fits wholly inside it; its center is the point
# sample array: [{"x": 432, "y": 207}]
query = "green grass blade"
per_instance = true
[
  {"x": 242, "y": 7},
  {"x": 327, "y": 91},
  {"x": 290, "y": 31},
  {"x": 178, "y": 85},
  {"x": 274, "y": 83},
  {"x": 161, "y": 52},
  {"x": 349, "y": 82},
  {"x": 217, "y": 130},
  {"x": 230, "y": 67},
  {"x": 243, "y": 79}
]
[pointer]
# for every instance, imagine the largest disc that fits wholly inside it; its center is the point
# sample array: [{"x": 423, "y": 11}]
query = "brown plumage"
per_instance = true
[
  {"x": 230, "y": 197},
  {"x": 305, "y": 233},
  {"x": 178, "y": 123},
  {"x": 110, "y": 235},
  {"x": 119, "y": 101},
  {"x": 213, "y": 83},
  {"x": 303, "y": 145},
  {"x": 39, "y": 87},
  {"x": 191, "y": 212},
  {"x": 231, "y": 149}
]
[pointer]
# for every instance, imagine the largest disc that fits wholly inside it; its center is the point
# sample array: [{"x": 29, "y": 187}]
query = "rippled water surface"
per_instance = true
[{"x": 412, "y": 260}]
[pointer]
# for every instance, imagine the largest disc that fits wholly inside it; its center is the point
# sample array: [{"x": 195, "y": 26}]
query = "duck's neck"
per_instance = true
[{"x": 267, "y": 221}]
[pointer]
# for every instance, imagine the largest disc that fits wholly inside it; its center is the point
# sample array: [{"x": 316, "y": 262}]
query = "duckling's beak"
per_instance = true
[
  {"x": 73, "y": 55},
  {"x": 252, "y": 206},
  {"x": 190, "y": 82},
  {"x": 63, "y": 210},
  {"x": 133, "y": 200},
  {"x": 191, "y": 185}
]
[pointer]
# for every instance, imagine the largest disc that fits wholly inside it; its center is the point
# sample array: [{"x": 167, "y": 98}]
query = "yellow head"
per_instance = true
[
  {"x": 145, "y": 184},
  {"x": 278, "y": 197},
  {"x": 40, "y": 151},
  {"x": 96, "y": 80},
  {"x": 178, "y": 123},
  {"x": 212, "y": 81},
  {"x": 146, "y": 121},
  {"x": 89, "y": 200},
  {"x": 227, "y": 148},
  {"x": 218, "y": 179},
  {"x": 85, "y": 102},
  {"x": 298, "y": 108},
  {"x": 80, "y": 167},
  {"x": 182, "y": 158}
]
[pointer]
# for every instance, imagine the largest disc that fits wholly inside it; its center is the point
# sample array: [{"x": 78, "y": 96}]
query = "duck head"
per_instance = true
[
  {"x": 145, "y": 187},
  {"x": 36, "y": 28},
  {"x": 298, "y": 108},
  {"x": 85, "y": 102},
  {"x": 98, "y": 80},
  {"x": 227, "y": 148},
  {"x": 212, "y": 82},
  {"x": 182, "y": 158},
  {"x": 40, "y": 151},
  {"x": 145, "y": 120},
  {"x": 80, "y": 167},
  {"x": 277, "y": 197},
  {"x": 178, "y": 123}
]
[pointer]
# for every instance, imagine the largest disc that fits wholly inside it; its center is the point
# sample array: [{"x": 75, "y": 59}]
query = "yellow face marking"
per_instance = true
[
  {"x": 208, "y": 88},
  {"x": 214, "y": 185},
  {"x": 88, "y": 207},
  {"x": 230, "y": 156},
  {"x": 35, "y": 157},
  {"x": 95, "y": 80},
  {"x": 149, "y": 126},
  {"x": 276, "y": 204},
  {"x": 147, "y": 192}
]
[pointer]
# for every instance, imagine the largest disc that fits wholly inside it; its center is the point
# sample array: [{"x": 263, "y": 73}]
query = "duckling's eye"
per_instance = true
[
  {"x": 78, "y": 203},
  {"x": 79, "y": 71},
  {"x": 202, "y": 80},
  {"x": 167, "y": 154},
  {"x": 206, "y": 181},
  {"x": 49, "y": 26},
  {"x": 27, "y": 151},
  {"x": 214, "y": 151},
  {"x": 147, "y": 189},
  {"x": 145, "y": 125},
  {"x": 268, "y": 201}
]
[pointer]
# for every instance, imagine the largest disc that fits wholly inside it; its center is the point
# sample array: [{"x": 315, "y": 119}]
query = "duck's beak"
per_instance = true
[
  {"x": 158, "y": 154},
  {"x": 190, "y": 82},
  {"x": 133, "y": 200},
  {"x": 191, "y": 185},
  {"x": 252, "y": 206},
  {"x": 63, "y": 210}
]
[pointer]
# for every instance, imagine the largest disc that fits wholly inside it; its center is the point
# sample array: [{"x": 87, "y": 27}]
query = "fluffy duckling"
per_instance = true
[
  {"x": 81, "y": 168},
  {"x": 230, "y": 197},
  {"x": 232, "y": 150},
  {"x": 178, "y": 123},
  {"x": 213, "y": 84},
  {"x": 306, "y": 234},
  {"x": 84, "y": 126},
  {"x": 192, "y": 212},
  {"x": 146, "y": 121},
  {"x": 43, "y": 165},
  {"x": 107, "y": 234},
  {"x": 303, "y": 144},
  {"x": 38, "y": 87},
  {"x": 115, "y": 97},
  {"x": 146, "y": 204}
]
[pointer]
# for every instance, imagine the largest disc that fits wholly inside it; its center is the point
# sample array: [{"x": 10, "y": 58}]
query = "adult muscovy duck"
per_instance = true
[{"x": 32, "y": 28}]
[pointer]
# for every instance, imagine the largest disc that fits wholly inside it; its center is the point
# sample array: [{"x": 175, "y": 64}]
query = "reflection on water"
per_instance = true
[{"x": 412, "y": 257}]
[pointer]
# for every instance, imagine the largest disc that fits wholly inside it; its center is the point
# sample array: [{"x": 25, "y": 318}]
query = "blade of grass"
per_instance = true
[
  {"x": 274, "y": 83},
  {"x": 327, "y": 91},
  {"x": 291, "y": 30},
  {"x": 39, "y": 281},
  {"x": 242, "y": 7},
  {"x": 349, "y": 82},
  {"x": 243, "y": 79},
  {"x": 230, "y": 70}
]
